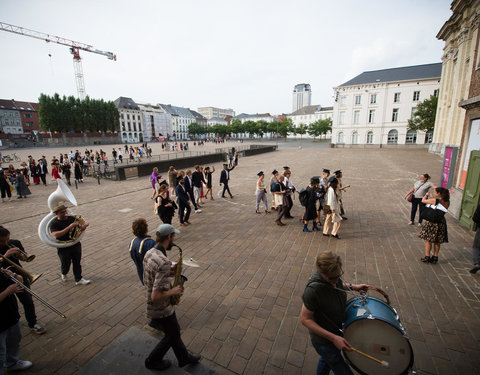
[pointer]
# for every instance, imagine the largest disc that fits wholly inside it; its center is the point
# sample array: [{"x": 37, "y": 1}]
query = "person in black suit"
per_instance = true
[
  {"x": 183, "y": 202},
  {"x": 189, "y": 188},
  {"x": 42, "y": 170},
  {"x": 224, "y": 177}
]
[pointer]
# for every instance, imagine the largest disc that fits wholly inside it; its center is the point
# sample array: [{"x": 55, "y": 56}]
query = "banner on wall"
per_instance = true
[
  {"x": 473, "y": 144},
  {"x": 448, "y": 169}
]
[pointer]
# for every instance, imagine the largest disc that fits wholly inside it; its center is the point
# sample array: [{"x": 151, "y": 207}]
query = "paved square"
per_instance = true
[{"x": 240, "y": 310}]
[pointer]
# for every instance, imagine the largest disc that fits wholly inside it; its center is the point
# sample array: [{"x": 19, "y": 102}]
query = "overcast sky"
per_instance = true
[{"x": 241, "y": 54}]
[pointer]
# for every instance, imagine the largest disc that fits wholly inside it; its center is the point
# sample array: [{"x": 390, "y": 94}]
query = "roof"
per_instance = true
[
  {"x": 197, "y": 115},
  {"x": 217, "y": 119},
  {"x": 310, "y": 110},
  {"x": 17, "y": 105},
  {"x": 405, "y": 73},
  {"x": 127, "y": 103},
  {"x": 246, "y": 115},
  {"x": 177, "y": 111}
]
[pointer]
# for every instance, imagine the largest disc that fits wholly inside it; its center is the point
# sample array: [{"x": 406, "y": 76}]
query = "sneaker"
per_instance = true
[
  {"x": 419, "y": 224},
  {"x": 38, "y": 329},
  {"x": 82, "y": 281},
  {"x": 475, "y": 269},
  {"x": 305, "y": 229},
  {"x": 410, "y": 223},
  {"x": 20, "y": 365},
  {"x": 64, "y": 277},
  {"x": 198, "y": 211}
]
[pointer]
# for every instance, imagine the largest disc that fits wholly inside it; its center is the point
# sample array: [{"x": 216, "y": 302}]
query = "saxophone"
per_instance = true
[{"x": 179, "y": 279}]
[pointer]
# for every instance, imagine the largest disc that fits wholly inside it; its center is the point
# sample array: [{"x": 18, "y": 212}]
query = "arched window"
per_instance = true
[
  {"x": 340, "y": 138},
  {"x": 429, "y": 136},
  {"x": 370, "y": 137},
  {"x": 354, "y": 138},
  {"x": 411, "y": 137},
  {"x": 124, "y": 136},
  {"x": 392, "y": 136}
]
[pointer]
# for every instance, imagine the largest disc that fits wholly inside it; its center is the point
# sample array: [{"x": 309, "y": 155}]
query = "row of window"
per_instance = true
[
  {"x": 371, "y": 116},
  {"x": 130, "y": 127},
  {"x": 373, "y": 98},
  {"x": 392, "y": 137},
  {"x": 128, "y": 117}
]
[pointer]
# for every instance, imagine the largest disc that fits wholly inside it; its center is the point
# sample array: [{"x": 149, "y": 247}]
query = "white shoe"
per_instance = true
[
  {"x": 198, "y": 211},
  {"x": 410, "y": 223},
  {"x": 82, "y": 281},
  {"x": 38, "y": 329},
  {"x": 64, "y": 277},
  {"x": 419, "y": 224},
  {"x": 20, "y": 365}
]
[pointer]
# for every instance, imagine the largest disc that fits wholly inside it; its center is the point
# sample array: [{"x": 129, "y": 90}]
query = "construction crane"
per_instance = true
[{"x": 75, "y": 48}]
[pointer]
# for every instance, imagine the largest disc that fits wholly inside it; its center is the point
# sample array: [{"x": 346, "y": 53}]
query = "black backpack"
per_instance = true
[{"x": 303, "y": 197}]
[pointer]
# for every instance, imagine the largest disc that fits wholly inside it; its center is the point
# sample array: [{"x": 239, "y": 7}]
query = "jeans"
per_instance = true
[
  {"x": 9, "y": 346},
  {"x": 196, "y": 192},
  {"x": 415, "y": 204},
  {"x": 331, "y": 359},
  {"x": 71, "y": 255},
  {"x": 172, "y": 339}
]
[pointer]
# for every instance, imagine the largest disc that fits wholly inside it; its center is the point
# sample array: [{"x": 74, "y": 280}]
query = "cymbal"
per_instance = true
[{"x": 190, "y": 263}]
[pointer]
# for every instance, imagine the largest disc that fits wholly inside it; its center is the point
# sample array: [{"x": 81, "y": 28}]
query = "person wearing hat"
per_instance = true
[
  {"x": 157, "y": 271},
  {"x": 183, "y": 201},
  {"x": 42, "y": 170},
  {"x": 290, "y": 190},
  {"x": 208, "y": 176},
  {"x": 21, "y": 186},
  {"x": 311, "y": 207},
  {"x": 224, "y": 177},
  {"x": 261, "y": 193},
  {"x": 341, "y": 189},
  {"x": 71, "y": 255},
  {"x": 280, "y": 199},
  {"x": 273, "y": 183}
]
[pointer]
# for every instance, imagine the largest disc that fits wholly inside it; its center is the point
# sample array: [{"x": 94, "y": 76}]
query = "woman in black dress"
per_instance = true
[
  {"x": 21, "y": 186},
  {"x": 435, "y": 233},
  {"x": 208, "y": 177},
  {"x": 165, "y": 207},
  {"x": 5, "y": 186},
  {"x": 311, "y": 207},
  {"x": 67, "y": 170},
  {"x": 77, "y": 165}
]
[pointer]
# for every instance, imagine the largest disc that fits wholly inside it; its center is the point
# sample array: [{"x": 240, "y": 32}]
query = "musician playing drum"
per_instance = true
[
  {"x": 324, "y": 302},
  {"x": 157, "y": 270},
  {"x": 11, "y": 250},
  {"x": 60, "y": 227}
]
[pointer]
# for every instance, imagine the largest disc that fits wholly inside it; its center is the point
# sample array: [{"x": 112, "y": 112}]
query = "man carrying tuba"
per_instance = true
[
  {"x": 157, "y": 270},
  {"x": 63, "y": 227},
  {"x": 14, "y": 251}
]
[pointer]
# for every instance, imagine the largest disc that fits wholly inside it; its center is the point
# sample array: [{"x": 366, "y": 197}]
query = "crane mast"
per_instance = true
[{"x": 75, "y": 48}]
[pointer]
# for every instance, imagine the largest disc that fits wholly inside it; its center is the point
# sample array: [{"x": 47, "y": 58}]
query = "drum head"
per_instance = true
[{"x": 382, "y": 341}]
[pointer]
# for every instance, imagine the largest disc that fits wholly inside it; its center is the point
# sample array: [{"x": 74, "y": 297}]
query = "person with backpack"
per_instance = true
[{"x": 308, "y": 198}]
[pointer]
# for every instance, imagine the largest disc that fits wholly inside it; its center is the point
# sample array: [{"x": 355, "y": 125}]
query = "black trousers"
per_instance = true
[
  {"x": 43, "y": 178},
  {"x": 183, "y": 211},
  {"x": 71, "y": 255},
  {"x": 172, "y": 339},
  {"x": 6, "y": 191},
  {"x": 416, "y": 203},
  {"x": 289, "y": 206},
  {"x": 28, "y": 306},
  {"x": 226, "y": 188}
]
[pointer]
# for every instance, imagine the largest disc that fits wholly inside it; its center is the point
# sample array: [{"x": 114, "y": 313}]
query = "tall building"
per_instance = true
[
  {"x": 209, "y": 112},
  {"x": 130, "y": 120},
  {"x": 302, "y": 96},
  {"x": 374, "y": 107}
]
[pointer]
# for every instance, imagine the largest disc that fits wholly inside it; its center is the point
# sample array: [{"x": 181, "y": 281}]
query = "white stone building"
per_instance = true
[
  {"x": 309, "y": 114},
  {"x": 181, "y": 118},
  {"x": 210, "y": 112},
  {"x": 156, "y": 122},
  {"x": 217, "y": 120},
  {"x": 302, "y": 96},
  {"x": 131, "y": 123},
  {"x": 374, "y": 107}
]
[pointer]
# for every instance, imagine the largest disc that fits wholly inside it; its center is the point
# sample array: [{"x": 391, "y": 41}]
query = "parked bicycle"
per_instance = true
[{"x": 10, "y": 158}]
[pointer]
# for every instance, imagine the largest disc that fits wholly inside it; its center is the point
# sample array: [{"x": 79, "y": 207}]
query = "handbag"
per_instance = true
[
  {"x": 433, "y": 214},
  {"x": 410, "y": 197},
  {"x": 326, "y": 209}
]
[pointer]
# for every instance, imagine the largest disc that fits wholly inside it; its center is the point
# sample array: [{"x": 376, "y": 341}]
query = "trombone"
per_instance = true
[
  {"x": 31, "y": 292},
  {"x": 22, "y": 255},
  {"x": 31, "y": 278}
]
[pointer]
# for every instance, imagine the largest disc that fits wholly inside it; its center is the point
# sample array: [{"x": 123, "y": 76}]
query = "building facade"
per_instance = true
[
  {"x": 157, "y": 123},
  {"x": 457, "y": 125},
  {"x": 131, "y": 122},
  {"x": 374, "y": 107},
  {"x": 19, "y": 117},
  {"x": 302, "y": 96},
  {"x": 210, "y": 112},
  {"x": 181, "y": 118},
  {"x": 217, "y": 120},
  {"x": 309, "y": 114}
]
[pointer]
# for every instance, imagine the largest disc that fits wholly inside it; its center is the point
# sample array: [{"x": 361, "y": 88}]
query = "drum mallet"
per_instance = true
[{"x": 383, "y": 363}]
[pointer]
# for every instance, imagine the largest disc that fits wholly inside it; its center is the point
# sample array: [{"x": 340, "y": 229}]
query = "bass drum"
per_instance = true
[{"x": 373, "y": 327}]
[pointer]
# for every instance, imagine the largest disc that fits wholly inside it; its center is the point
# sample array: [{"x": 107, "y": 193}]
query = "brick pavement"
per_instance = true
[{"x": 240, "y": 309}]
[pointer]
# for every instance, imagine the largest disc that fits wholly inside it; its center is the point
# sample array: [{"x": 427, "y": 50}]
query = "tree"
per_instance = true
[
  {"x": 285, "y": 127},
  {"x": 424, "y": 116},
  {"x": 319, "y": 127},
  {"x": 196, "y": 129}
]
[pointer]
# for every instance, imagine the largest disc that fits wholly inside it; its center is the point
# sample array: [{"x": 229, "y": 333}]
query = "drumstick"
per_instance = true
[{"x": 383, "y": 363}]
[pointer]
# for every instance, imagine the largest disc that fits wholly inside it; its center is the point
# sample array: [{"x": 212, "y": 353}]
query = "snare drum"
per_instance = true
[{"x": 374, "y": 328}]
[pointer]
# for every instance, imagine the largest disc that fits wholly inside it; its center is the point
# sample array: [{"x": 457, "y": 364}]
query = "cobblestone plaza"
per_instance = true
[{"x": 240, "y": 309}]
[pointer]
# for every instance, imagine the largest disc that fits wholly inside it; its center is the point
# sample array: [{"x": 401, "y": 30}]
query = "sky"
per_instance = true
[{"x": 241, "y": 54}]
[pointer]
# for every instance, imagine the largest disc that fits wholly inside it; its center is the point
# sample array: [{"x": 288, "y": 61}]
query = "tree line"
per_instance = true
[
  {"x": 66, "y": 114},
  {"x": 262, "y": 127}
]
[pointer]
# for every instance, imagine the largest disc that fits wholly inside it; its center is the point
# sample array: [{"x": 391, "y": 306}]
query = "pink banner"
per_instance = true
[{"x": 446, "y": 166}]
